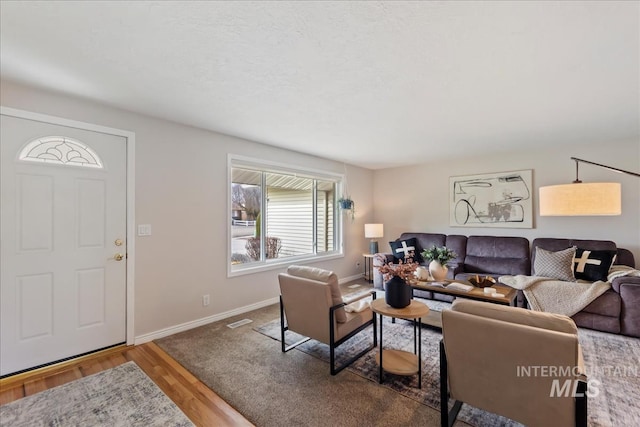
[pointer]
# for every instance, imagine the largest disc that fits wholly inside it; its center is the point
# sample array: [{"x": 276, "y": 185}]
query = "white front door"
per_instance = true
[{"x": 63, "y": 251}]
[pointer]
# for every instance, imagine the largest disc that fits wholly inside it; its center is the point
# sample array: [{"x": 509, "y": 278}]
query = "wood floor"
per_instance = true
[{"x": 196, "y": 400}]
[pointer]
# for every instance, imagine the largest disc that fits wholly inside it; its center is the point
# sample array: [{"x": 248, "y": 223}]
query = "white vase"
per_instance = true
[
  {"x": 422, "y": 273},
  {"x": 437, "y": 270}
]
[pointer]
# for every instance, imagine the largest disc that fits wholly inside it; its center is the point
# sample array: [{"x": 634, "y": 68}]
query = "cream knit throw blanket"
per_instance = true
[
  {"x": 621, "y": 270},
  {"x": 556, "y": 296}
]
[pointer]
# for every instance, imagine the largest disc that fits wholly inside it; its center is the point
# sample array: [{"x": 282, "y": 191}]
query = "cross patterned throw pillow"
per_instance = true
[
  {"x": 593, "y": 265},
  {"x": 403, "y": 249}
]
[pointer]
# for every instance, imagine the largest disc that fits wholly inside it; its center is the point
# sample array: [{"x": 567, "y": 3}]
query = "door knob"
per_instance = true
[{"x": 118, "y": 257}]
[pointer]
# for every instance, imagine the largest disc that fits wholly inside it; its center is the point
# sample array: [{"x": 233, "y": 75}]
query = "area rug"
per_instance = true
[
  {"x": 121, "y": 396},
  {"x": 611, "y": 360},
  {"x": 273, "y": 389},
  {"x": 399, "y": 336}
]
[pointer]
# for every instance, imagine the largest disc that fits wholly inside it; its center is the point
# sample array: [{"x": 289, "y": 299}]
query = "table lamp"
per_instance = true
[{"x": 373, "y": 231}]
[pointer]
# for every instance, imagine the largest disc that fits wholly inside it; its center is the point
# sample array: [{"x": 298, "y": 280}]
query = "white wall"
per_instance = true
[
  {"x": 416, "y": 198},
  {"x": 181, "y": 189},
  {"x": 181, "y": 177}
]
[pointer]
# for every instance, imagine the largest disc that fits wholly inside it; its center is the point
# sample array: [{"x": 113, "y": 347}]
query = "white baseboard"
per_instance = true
[
  {"x": 200, "y": 322},
  {"x": 206, "y": 320},
  {"x": 350, "y": 278}
]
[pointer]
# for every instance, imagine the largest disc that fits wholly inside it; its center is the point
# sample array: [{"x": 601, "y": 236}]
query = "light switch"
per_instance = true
[{"x": 144, "y": 229}]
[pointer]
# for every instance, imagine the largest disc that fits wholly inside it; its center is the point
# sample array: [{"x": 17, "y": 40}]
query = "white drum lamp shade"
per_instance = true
[
  {"x": 581, "y": 199},
  {"x": 373, "y": 231}
]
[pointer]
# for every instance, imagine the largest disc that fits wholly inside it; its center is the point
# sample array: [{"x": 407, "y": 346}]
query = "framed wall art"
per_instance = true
[{"x": 501, "y": 199}]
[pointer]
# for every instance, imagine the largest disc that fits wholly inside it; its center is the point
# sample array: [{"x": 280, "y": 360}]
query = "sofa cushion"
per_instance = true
[
  {"x": 556, "y": 265},
  {"x": 597, "y": 322},
  {"x": 497, "y": 255},
  {"x": 458, "y": 244},
  {"x": 406, "y": 248},
  {"x": 593, "y": 265},
  {"x": 607, "y": 304}
]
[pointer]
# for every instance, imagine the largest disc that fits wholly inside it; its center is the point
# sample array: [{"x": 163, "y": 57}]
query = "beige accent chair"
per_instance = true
[
  {"x": 311, "y": 305},
  {"x": 521, "y": 364}
]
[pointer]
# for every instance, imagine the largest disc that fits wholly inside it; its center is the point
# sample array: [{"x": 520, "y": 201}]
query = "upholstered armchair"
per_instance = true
[
  {"x": 312, "y": 305},
  {"x": 521, "y": 364}
]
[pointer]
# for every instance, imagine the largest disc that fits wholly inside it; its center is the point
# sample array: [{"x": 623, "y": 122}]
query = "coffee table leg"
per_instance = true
[{"x": 380, "y": 368}]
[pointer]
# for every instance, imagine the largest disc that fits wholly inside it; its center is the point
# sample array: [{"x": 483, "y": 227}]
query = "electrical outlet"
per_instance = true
[{"x": 205, "y": 300}]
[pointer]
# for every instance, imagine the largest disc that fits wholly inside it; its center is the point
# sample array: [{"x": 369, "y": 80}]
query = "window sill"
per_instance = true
[{"x": 278, "y": 264}]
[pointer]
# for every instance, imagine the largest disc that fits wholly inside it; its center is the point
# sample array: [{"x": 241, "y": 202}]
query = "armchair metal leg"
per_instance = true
[
  {"x": 294, "y": 345},
  {"x": 282, "y": 327},
  {"x": 581, "y": 404},
  {"x": 337, "y": 369},
  {"x": 375, "y": 331},
  {"x": 447, "y": 418}
]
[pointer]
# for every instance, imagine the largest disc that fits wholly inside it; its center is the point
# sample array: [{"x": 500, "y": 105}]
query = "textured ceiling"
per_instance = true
[{"x": 375, "y": 84}]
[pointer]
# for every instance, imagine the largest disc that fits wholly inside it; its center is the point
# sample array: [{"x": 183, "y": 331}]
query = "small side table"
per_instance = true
[
  {"x": 368, "y": 267},
  {"x": 401, "y": 362}
]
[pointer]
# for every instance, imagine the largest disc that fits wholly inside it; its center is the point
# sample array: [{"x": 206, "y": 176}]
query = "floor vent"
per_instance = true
[
  {"x": 239, "y": 323},
  {"x": 353, "y": 286}
]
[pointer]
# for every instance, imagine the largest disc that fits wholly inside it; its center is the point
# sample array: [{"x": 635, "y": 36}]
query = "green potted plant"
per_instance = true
[
  {"x": 347, "y": 204},
  {"x": 439, "y": 258}
]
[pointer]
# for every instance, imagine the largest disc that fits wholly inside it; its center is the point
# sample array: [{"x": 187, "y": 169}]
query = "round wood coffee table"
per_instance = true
[{"x": 400, "y": 362}]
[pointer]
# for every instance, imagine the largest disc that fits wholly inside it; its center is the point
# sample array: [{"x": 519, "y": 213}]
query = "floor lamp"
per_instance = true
[{"x": 583, "y": 199}]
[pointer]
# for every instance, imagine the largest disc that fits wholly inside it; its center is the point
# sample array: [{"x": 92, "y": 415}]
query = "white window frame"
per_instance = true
[{"x": 239, "y": 161}]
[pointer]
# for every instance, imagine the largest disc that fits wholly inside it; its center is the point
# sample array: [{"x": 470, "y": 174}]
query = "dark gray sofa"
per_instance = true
[
  {"x": 484, "y": 255},
  {"x": 616, "y": 311}
]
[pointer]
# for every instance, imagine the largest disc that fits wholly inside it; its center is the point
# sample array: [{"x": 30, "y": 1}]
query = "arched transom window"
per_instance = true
[{"x": 60, "y": 150}]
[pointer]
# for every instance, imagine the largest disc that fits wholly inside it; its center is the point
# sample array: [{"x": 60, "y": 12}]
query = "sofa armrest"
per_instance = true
[
  {"x": 455, "y": 269},
  {"x": 380, "y": 259},
  {"x": 629, "y": 289},
  {"x": 626, "y": 280}
]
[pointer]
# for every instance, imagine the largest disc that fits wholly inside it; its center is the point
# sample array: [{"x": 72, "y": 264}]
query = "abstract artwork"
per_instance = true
[{"x": 501, "y": 199}]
